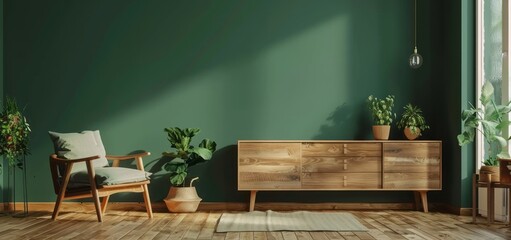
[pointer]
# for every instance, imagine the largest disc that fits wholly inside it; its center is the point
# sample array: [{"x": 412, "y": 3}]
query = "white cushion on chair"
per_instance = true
[{"x": 79, "y": 145}]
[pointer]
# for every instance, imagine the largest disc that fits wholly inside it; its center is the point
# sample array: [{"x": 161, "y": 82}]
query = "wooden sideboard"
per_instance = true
[{"x": 340, "y": 165}]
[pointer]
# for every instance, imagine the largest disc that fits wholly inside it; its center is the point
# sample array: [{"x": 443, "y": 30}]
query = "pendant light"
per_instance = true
[{"x": 415, "y": 59}]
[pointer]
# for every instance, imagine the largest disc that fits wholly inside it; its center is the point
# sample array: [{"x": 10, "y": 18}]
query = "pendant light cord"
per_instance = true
[{"x": 415, "y": 21}]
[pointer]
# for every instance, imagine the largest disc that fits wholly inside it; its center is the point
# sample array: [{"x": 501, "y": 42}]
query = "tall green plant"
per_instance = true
[
  {"x": 185, "y": 155},
  {"x": 381, "y": 109},
  {"x": 15, "y": 133},
  {"x": 490, "y": 121},
  {"x": 412, "y": 118}
]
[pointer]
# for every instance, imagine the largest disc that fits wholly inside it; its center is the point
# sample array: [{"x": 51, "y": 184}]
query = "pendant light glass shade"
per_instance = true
[{"x": 415, "y": 60}]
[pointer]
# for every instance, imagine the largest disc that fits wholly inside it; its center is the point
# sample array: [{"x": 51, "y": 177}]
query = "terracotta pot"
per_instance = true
[
  {"x": 410, "y": 135},
  {"x": 381, "y": 132},
  {"x": 493, "y": 170},
  {"x": 182, "y": 199}
]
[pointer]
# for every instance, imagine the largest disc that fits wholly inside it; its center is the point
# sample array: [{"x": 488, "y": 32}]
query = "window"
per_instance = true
[{"x": 491, "y": 56}]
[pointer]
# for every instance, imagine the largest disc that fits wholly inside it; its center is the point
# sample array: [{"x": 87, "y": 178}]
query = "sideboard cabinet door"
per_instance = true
[
  {"x": 412, "y": 165},
  {"x": 268, "y": 166}
]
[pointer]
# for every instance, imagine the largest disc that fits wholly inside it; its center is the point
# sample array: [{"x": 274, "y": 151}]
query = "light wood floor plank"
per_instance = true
[
  {"x": 303, "y": 236},
  {"x": 382, "y": 225},
  {"x": 170, "y": 227},
  {"x": 232, "y": 236},
  {"x": 208, "y": 231},
  {"x": 318, "y": 236},
  {"x": 289, "y": 236},
  {"x": 246, "y": 235},
  {"x": 274, "y": 236},
  {"x": 260, "y": 236},
  {"x": 182, "y": 228},
  {"x": 333, "y": 236},
  {"x": 197, "y": 225}
]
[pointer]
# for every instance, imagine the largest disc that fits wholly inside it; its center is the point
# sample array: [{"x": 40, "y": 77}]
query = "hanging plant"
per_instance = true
[{"x": 15, "y": 133}]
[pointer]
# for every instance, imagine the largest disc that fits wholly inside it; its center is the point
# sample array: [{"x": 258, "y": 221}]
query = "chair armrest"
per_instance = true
[
  {"x": 63, "y": 160},
  {"x": 60, "y": 188},
  {"x": 136, "y": 156},
  {"x": 127, "y": 157}
]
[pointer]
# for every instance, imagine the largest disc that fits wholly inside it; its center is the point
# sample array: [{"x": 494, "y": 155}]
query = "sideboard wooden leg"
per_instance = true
[
  {"x": 252, "y": 200},
  {"x": 424, "y": 199},
  {"x": 417, "y": 198}
]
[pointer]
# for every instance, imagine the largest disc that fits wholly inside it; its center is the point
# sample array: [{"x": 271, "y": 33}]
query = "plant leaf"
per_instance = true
[
  {"x": 486, "y": 93},
  {"x": 178, "y": 179},
  {"x": 204, "y": 153},
  {"x": 208, "y": 144}
]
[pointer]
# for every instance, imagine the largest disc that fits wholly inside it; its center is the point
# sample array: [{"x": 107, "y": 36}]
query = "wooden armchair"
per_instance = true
[{"x": 74, "y": 181}]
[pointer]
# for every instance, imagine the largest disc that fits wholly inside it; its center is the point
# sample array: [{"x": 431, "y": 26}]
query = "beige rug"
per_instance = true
[{"x": 288, "y": 221}]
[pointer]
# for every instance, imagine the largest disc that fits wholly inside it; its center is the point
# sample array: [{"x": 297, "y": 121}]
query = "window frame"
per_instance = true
[{"x": 479, "y": 143}]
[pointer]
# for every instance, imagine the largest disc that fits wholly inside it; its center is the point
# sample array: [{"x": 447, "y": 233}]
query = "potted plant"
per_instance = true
[
  {"x": 412, "y": 121},
  {"x": 15, "y": 134},
  {"x": 381, "y": 110},
  {"x": 184, "y": 156},
  {"x": 14, "y": 146},
  {"x": 489, "y": 120}
]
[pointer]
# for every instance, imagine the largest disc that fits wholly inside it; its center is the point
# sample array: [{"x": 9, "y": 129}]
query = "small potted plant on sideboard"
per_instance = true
[
  {"x": 381, "y": 110},
  {"x": 184, "y": 156},
  {"x": 412, "y": 121}
]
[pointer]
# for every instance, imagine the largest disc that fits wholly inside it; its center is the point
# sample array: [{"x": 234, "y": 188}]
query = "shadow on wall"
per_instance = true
[
  {"x": 167, "y": 54},
  {"x": 346, "y": 122},
  {"x": 220, "y": 177}
]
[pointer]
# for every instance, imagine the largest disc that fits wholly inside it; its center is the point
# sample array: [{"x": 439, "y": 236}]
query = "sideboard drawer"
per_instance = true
[
  {"x": 410, "y": 180},
  {"x": 268, "y": 151},
  {"x": 288, "y": 179},
  {"x": 341, "y": 149},
  {"x": 412, "y": 149},
  {"x": 341, "y": 164},
  {"x": 411, "y": 164},
  {"x": 341, "y": 180}
]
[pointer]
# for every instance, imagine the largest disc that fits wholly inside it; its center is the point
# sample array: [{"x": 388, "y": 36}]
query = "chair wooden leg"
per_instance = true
[
  {"x": 97, "y": 205},
  {"x": 62, "y": 192},
  {"x": 104, "y": 203},
  {"x": 147, "y": 201},
  {"x": 56, "y": 210},
  {"x": 94, "y": 190}
]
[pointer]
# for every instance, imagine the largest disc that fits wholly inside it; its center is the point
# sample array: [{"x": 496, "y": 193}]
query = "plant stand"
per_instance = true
[
  {"x": 12, "y": 177},
  {"x": 490, "y": 187}
]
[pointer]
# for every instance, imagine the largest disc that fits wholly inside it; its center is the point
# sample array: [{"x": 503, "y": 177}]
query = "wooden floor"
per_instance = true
[{"x": 201, "y": 225}]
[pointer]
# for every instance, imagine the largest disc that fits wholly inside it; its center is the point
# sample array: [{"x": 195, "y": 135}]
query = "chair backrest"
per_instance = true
[{"x": 79, "y": 145}]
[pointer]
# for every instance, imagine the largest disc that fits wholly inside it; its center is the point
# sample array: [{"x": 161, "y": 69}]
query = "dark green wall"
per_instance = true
[
  {"x": 2, "y": 85},
  {"x": 235, "y": 69},
  {"x": 468, "y": 68}
]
